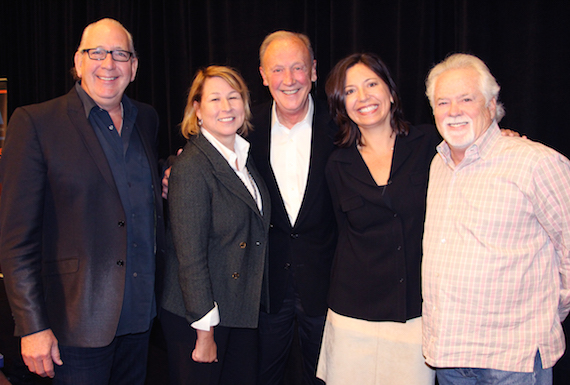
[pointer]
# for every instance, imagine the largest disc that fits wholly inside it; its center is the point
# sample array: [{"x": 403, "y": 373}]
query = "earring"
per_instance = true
[{"x": 200, "y": 122}]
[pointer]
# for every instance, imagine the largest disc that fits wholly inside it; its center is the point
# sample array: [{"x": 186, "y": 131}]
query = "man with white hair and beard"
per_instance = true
[{"x": 496, "y": 264}]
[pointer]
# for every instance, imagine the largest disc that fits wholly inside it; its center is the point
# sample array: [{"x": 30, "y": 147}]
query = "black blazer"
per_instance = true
[
  {"x": 305, "y": 249},
  {"x": 63, "y": 239},
  {"x": 220, "y": 239},
  {"x": 377, "y": 266}
]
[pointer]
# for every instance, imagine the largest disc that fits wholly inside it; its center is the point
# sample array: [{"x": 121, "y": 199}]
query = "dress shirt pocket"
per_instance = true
[
  {"x": 64, "y": 266},
  {"x": 351, "y": 203}
]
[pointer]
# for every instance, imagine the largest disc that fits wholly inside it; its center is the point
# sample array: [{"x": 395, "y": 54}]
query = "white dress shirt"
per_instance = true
[{"x": 290, "y": 155}]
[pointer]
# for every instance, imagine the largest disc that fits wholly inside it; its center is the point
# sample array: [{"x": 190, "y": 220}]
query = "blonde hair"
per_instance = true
[{"x": 190, "y": 124}]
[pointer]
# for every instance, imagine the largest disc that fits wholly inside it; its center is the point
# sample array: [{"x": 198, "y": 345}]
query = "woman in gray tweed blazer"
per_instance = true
[{"x": 215, "y": 277}]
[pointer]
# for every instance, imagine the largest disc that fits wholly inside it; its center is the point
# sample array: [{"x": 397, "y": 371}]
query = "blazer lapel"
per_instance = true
[
  {"x": 403, "y": 148},
  {"x": 76, "y": 114},
  {"x": 224, "y": 172},
  {"x": 321, "y": 147},
  {"x": 262, "y": 147}
]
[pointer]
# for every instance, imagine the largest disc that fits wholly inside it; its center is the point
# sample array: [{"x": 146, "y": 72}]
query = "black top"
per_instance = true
[{"x": 377, "y": 267}]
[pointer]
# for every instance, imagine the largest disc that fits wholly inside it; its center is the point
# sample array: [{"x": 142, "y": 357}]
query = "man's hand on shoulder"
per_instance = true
[
  {"x": 39, "y": 351},
  {"x": 165, "y": 178},
  {"x": 512, "y": 133}
]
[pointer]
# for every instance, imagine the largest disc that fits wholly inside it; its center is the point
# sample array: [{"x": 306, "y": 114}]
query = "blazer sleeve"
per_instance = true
[
  {"x": 23, "y": 175},
  {"x": 189, "y": 199}
]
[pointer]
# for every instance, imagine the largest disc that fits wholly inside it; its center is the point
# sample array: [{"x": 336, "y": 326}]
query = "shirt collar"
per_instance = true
[
  {"x": 479, "y": 149},
  {"x": 308, "y": 119},
  {"x": 88, "y": 102},
  {"x": 241, "y": 147}
]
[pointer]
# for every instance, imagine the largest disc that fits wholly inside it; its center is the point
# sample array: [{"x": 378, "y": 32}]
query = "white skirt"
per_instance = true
[{"x": 362, "y": 352}]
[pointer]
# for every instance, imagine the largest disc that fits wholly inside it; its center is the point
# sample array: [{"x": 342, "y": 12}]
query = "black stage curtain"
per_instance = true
[{"x": 524, "y": 42}]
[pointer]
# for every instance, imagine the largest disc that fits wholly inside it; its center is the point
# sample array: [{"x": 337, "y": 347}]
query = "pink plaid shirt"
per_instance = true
[{"x": 496, "y": 265}]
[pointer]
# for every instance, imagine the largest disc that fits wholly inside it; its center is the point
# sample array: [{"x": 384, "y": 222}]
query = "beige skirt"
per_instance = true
[{"x": 362, "y": 352}]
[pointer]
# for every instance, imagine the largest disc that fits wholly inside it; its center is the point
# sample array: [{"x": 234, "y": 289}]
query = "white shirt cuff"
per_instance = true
[{"x": 212, "y": 318}]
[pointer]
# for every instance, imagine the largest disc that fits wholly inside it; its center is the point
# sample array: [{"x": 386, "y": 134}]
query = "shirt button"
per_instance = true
[
  {"x": 257, "y": 243},
  {"x": 120, "y": 262},
  {"x": 242, "y": 245},
  {"x": 443, "y": 240}
]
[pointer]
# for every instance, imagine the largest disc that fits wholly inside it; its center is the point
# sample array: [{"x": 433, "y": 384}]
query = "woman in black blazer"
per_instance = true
[
  {"x": 219, "y": 221},
  {"x": 378, "y": 181}
]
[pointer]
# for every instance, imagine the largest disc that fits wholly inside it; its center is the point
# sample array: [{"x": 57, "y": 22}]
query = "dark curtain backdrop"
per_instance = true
[{"x": 524, "y": 42}]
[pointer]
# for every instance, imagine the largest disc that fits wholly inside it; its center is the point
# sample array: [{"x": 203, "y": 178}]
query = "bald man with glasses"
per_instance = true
[{"x": 81, "y": 220}]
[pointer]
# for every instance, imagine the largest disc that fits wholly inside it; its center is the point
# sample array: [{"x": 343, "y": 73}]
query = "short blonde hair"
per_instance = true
[{"x": 190, "y": 124}]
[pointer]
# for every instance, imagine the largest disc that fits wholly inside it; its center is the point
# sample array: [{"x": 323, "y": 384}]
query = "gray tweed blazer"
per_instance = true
[{"x": 217, "y": 239}]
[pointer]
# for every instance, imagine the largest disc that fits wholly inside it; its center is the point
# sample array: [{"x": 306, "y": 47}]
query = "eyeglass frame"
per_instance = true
[{"x": 87, "y": 50}]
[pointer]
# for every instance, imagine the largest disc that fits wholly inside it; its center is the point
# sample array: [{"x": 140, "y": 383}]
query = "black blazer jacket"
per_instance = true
[
  {"x": 306, "y": 248},
  {"x": 63, "y": 238}
]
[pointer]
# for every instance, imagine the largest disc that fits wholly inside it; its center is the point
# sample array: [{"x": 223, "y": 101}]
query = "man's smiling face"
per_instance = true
[
  {"x": 287, "y": 70},
  {"x": 105, "y": 80}
]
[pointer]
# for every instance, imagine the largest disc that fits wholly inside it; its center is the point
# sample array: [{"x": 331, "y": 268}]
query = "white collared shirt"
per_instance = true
[
  {"x": 239, "y": 157},
  {"x": 290, "y": 155}
]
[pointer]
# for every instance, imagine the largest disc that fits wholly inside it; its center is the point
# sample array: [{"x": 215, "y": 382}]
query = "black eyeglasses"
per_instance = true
[{"x": 101, "y": 54}]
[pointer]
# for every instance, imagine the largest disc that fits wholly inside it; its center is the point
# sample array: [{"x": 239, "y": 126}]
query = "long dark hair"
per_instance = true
[{"x": 348, "y": 133}]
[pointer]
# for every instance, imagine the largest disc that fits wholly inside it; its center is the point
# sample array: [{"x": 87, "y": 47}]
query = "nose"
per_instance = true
[
  {"x": 226, "y": 106},
  {"x": 108, "y": 62},
  {"x": 361, "y": 93},
  {"x": 288, "y": 78},
  {"x": 454, "y": 109}
]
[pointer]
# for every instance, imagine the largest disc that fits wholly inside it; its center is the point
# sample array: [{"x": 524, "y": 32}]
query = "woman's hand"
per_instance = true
[{"x": 205, "y": 350}]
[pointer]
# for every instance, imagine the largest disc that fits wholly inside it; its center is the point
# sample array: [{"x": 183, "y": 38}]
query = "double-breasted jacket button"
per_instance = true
[
  {"x": 294, "y": 236},
  {"x": 235, "y": 275},
  {"x": 121, "y": 224},
  {"x": 257, "y": 243},
  {"x": 287, "y": 266},
  {"x": 242, "y": 245},
  {"x": 120, "y": 262}
]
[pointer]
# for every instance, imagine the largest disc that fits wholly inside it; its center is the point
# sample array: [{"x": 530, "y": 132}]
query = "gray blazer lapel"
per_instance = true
[{"x": 224, "y": 172}]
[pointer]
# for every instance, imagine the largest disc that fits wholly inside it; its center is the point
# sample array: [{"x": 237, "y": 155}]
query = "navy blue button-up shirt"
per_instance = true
[{"x": 132, "y": 173}]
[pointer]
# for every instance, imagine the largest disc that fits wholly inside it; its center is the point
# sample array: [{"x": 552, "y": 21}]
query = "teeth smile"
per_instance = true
[
  {"x": 457, "y": 124},
  {"x": 104, "y": 78},
  {"x": 368, "y": 109},
  {"x": 226, "y": 119},
  {"x": 292, "y": 92}
]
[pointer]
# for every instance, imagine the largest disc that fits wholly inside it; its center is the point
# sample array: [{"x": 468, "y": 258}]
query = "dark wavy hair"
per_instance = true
[{"x": 348, "y": 133}]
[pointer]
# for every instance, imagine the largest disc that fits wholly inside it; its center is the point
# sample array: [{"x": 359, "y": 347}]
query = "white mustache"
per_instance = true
[{"x": 456, "y": 120}]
